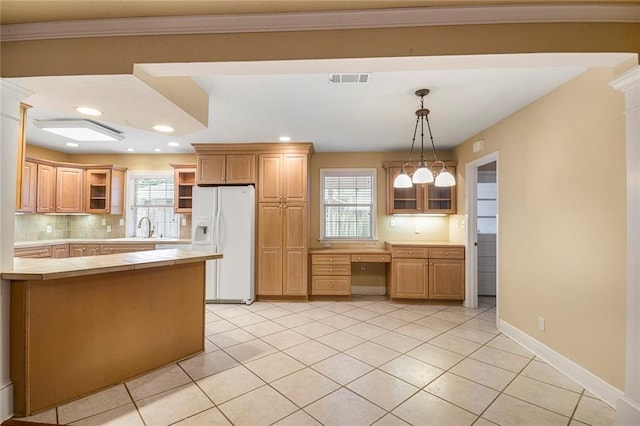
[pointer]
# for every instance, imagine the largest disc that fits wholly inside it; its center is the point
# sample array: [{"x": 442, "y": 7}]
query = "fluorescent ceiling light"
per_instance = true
[
  {"x": 173, "y": 144},
  {"x": 285, "y": 139},
  {"x": 157, "y": 150},
  {"x": 162, "y": 128},
  {"x": 130, "y": 149},
  {"x": 80, "y": 130},
  {"x": 71, "y": 144},
  {"x": 88, "y": 111}
]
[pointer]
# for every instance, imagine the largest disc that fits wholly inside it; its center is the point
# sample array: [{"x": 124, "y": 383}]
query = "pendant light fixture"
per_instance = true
[{"x": 423, "y": 174}]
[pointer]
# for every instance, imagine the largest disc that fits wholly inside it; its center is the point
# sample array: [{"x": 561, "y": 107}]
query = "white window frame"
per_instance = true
[
  {"x": 372, "y": 172},
  {"x": 137, "y": 174}
]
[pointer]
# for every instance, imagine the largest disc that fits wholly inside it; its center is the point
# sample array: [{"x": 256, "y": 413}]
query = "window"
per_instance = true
[
  {"x": 348, "y": 204},
  {"x": 150, "y": 194}
]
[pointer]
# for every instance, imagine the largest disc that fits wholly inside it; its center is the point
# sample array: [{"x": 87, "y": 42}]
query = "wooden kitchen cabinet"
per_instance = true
[
  {"x": 282, "y": 249},
  {"x": 69, "y": 189},
  {"x": 427, "y": 272},
  {"x": 77, "y": 250},
  {"x": 60, "y": 251},
  {"x": 282, "y": 177},
  {"x": 104, "y": 190},
  {"x": 226, "y": 169},
  {"x": 419, "y": 199},
  {"x": 125, "y": 248},
  {"x": 184, "y": 179},
  {"x": 330, "y": 275},
  {"x": 28, "y": 188},
  {"x": 46, "y": 189},
  {"x": 32, "y": 252}
]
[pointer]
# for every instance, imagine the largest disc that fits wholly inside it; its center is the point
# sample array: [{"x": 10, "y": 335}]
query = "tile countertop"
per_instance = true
[
  {"x": 49, "y": 269},
  {"x": 349, "y": 251},
  {"x": 139, "y": 240},
  {"x": 422, "y": 244}
]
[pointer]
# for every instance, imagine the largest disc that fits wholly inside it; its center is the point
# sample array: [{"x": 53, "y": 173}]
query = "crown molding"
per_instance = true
[{"x": 339, "y": 20}]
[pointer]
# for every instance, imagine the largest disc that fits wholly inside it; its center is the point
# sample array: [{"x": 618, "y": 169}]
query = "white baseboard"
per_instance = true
[
  {"x": 6, "y": 401},
  {"x": 594, "y": 384},
  {"x": 369, "y": 290}
]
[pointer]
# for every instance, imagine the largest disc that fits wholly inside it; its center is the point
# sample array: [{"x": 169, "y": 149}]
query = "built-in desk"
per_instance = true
[{"x": 331, "y": 268}]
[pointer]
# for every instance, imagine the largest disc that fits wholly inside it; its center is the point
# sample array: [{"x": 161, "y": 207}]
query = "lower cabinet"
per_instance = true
[
  {"x": 77, "y": 250},
  {"x": 427, "y": 272},
  {"x": 60, "y": 251},
  {"x": 330, "y": 274},
  {"x": 125, "y": 248}
]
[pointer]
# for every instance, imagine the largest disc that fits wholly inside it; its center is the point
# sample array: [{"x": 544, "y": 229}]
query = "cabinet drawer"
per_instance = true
[
  {"x": 409, "y": 252},
  {"x": 330, "y": 269},
  {"x": 331, "y": 285},
  {"x": 386, "y": 258},
  {"x": 42, "y": 251},
  {"x": 446, "y": 253},
  {"x": 330, "y": 259}
]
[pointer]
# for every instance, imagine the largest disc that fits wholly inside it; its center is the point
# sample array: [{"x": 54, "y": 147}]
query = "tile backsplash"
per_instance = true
[{"x": 35, "y": 227}]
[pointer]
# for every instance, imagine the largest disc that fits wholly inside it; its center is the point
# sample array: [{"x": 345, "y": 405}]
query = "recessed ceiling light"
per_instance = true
[
  {"x": 157, "y": 150},
  {"x": 173, "y": 144},
  {"x": 88, "y": 111},
  {"x": 130, "y": 149},
  {"x": 80, "y": 130},
  {"x": 162, "y": 128},
  {"x": 71, "y": 144},
  {"x": 285, "y": 139}
]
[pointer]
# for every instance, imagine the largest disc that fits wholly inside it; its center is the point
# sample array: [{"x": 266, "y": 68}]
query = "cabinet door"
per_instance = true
[
  {"x": 69, "y": 190},
  {"x": 46, "y": 189},
  {"x": 403, "y": 200},
  {"x": 78, "y": 250},
  {"x": 241, "y": 168},
  {"x": 184, "y": 180},
  {"x": 440, "y": 199},
  {"x": 60, "y": 251},
  {"x": 269, "y": 249},
  {"x": 409, "y": 278},
  {"x": 97, "y": 191},
  {"x": 211, "y": 169},
  {"x": 295, "y": 250},
  {"x": 294, "y": 178},
  {"x": 446, "y": 279},
  {"x": 29, "y": 176},
  {"x": 270, "y": 178},
  {"x": 117, "y": 192}
]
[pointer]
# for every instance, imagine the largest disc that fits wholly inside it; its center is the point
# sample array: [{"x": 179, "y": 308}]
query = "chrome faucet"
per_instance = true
[{"x": 149, "y": 228}]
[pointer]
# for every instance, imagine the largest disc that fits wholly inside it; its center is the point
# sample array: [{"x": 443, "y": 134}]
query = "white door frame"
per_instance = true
[{"x": 471, "y": 263}]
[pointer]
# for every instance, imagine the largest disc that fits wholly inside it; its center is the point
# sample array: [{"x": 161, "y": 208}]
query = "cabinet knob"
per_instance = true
[
  {"x": 446, "y": 253},
  {"x": 359, "y": 258},
  {"x": 381, "y": 257},
  {"x": 330, "y": 270},
  {"x": 331, "y": 259},
  {"x": 330, "y": 285},
  {"x": 410, "y": 252}
]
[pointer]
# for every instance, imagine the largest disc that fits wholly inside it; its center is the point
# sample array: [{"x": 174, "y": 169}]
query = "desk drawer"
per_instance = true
[
  {"x": 410, "y": 252},
  {"x": 34, "y": 252},
  {"x": 331, "y": 285},
  {"x": 446, "y": 253},
  {"x": 330, "y": 269},
  {"x": 330, "y": 259},
  {"x": 384, "y": 258}
]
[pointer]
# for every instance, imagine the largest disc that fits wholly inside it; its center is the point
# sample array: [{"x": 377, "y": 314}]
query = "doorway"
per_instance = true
[{"x": 482, "y": 231}]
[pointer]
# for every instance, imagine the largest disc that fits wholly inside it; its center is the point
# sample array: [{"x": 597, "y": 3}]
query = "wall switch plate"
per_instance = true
[
  {"x": 541, "y": 323},
  {"x": 326, "y": 244},
  {"x": 48, "y": 229},
  {"x": 104, "y": 221},
  {"x": 392, "y": 223},
  {"x": 371, "y": 245},
  {"x": 184, "y": 222},
  {"x": 121, "y": 222},
  {"x": 108, "y": 228},
  {"x": 417, "y": 229}
]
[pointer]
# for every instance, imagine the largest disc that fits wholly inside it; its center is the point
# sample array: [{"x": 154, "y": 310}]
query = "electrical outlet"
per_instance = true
[
  {"x": 363, "y": 266},
  {"x": 108, "y": 228},
  {"x": 371, "y": 245},
  {"x": 104, "y": 221},
  {"x": 184, "y": 221},
  {"x": 326, "y": 244},
  {"x": 121, "y": 222},
  {"x": 392, "y": 223},
  {"x": 541, "y": 323},
  {"x": 49, "y": 229},
  {"x": 417, "y": 229}
]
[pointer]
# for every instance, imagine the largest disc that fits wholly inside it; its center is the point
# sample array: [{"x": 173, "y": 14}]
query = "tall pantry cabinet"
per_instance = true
[{"x": 283, "y": 203}]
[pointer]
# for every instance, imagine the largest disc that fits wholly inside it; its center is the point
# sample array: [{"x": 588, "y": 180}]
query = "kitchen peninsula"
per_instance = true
[{"x": 82, "y": 324}]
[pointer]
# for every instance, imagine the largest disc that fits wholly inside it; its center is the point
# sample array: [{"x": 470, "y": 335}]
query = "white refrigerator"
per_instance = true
[{"x": 223, "y": 221}]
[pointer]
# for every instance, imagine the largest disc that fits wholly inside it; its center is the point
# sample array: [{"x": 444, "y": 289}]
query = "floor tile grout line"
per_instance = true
[{"x": 134, "y": 401}]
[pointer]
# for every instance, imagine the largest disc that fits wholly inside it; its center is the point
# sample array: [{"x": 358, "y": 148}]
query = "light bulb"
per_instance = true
[
  {"x": 402, "y": 181},
  {"x": 422, "y": 175},
  {"x": 445, "y": 178}
]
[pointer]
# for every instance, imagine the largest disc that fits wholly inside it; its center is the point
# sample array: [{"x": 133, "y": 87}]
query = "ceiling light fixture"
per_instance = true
[
  {"x": 72, "y": 144},
  {"x": 423, "y": 174},
  {"x": 130, "y": 149},
  {"x": 173, "y": 144},
  {"x": 163, "y": 128},
  {"x": 88, "y": 111},
  {"x": 157, "y": 150},
  {"x": 80, "y": 130},
  {"x": 285, "y": 139}
]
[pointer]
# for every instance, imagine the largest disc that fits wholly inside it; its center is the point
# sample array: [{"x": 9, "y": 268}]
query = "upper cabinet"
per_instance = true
[
  {"x": 28, "y": 188},
  {"x": 104, "y": 190},
  {"x": 184, "y": 178},
  {"x": 282, "y": 177},
  {"x": 419, "y": 199},
  {"x": 75, "y": 188},
  {"x": 226, "y": 169}
]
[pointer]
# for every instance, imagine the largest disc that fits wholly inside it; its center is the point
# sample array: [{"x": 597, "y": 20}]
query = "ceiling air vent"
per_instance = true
[{"x": 359, "y": 78}]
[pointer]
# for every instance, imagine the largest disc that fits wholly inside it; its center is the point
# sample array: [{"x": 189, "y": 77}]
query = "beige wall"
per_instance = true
[
  {"x": 432, "y": 228},
  {"x": 562, "y": 234}
]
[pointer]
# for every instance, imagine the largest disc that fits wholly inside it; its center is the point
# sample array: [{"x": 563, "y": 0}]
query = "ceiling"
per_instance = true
[
  {"x": 262, "y": 101},
  {"x": 259, "y": 102}
]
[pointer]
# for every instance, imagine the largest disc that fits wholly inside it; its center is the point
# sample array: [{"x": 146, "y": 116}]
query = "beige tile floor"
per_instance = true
[{"x": 362, "y": 362}]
